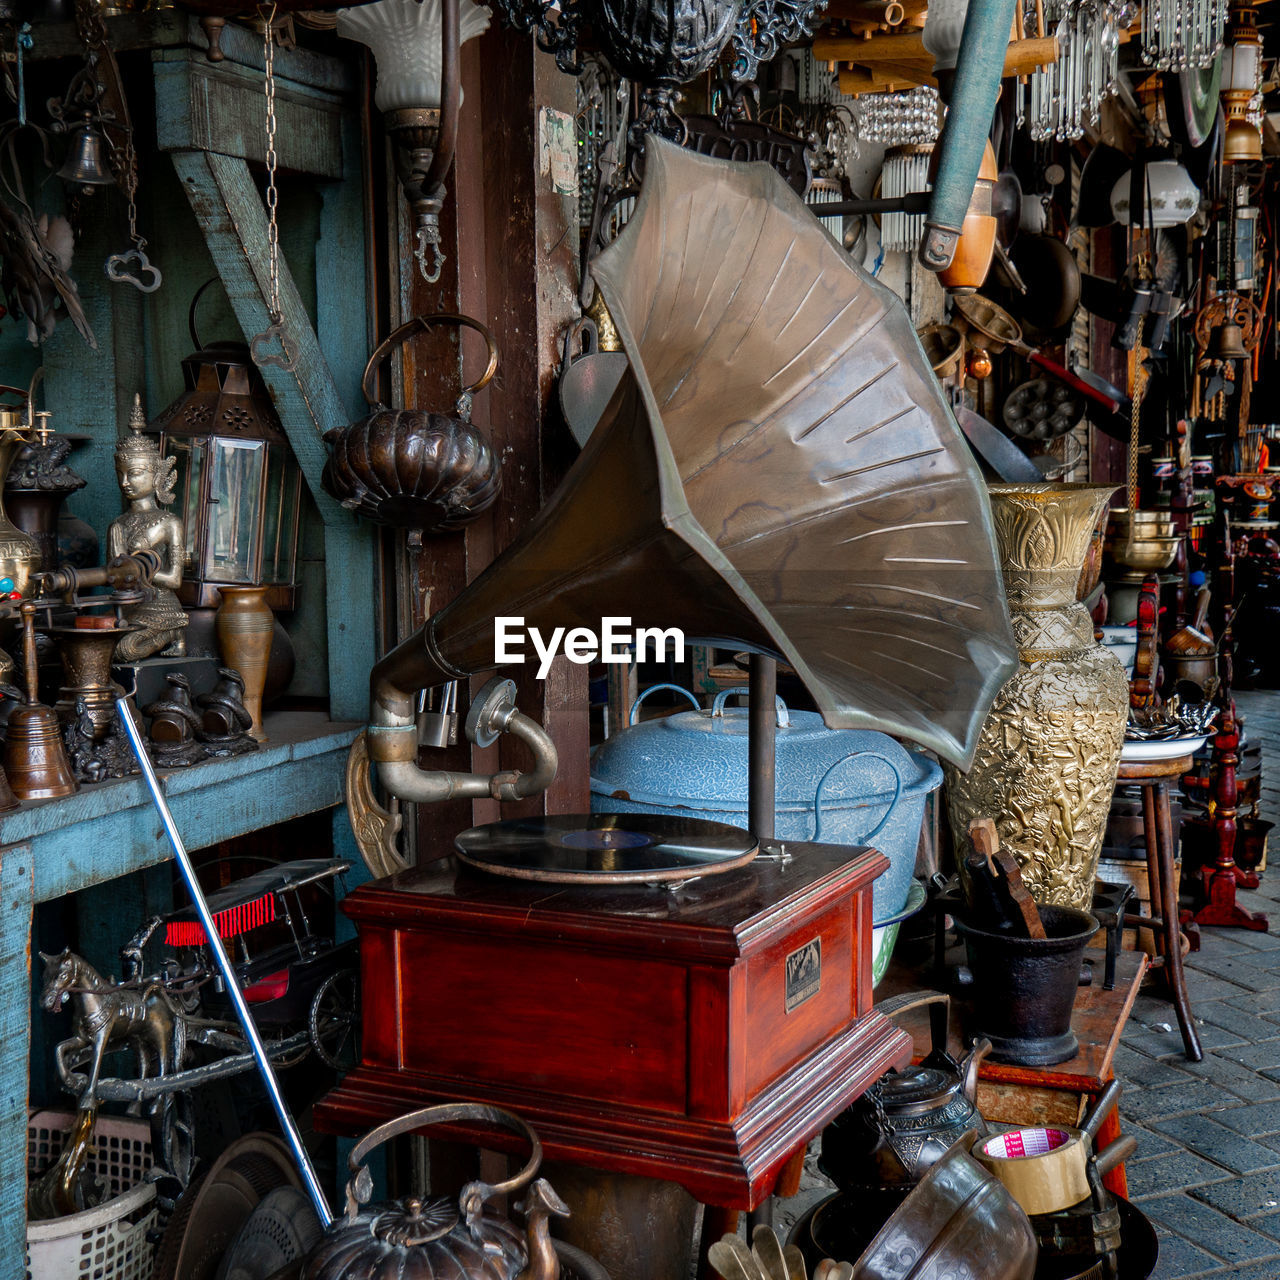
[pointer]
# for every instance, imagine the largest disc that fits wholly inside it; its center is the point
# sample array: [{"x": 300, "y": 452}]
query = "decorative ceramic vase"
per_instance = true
[
  {"x": 1047, "y": 757},
  {"x": 245, "y": 623}
]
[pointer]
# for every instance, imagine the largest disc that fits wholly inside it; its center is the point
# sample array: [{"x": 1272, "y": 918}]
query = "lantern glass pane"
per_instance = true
[
  {"x": 186, "y": 491},
  {"x": 280, "y": 518},
  {"x": 234, "y": 512}
]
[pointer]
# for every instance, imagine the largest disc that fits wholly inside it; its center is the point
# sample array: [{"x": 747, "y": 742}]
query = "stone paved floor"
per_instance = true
[{"x": 1207, "y": 1170}]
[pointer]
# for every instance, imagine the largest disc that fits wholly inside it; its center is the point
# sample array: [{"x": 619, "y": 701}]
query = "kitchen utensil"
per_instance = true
[
  {"x": 1052, "y": 277},
  {"x": 411, "y": 468},
  {"x": 958, "y": 1220},
  {"x": 1028, "y": 986},
  {"x": 839, "y": 786},
  {"x": 1002, "y": 330},
  {"x": 437, "y": 1238},
  {"x": 993, "y": 447},
  {"x": 908, "y": 1119},
  {"x": 1041, "y": 409}
]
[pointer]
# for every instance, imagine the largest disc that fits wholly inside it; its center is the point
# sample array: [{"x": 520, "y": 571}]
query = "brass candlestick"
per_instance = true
[{"x": 34, "y": 759}]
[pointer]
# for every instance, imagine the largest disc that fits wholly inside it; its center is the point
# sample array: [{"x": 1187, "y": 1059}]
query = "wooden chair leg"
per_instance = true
[{"x": 1172, "y": 931}]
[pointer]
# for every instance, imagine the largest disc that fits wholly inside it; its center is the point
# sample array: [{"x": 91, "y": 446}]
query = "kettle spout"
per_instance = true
[{"x": 538, "y": 1207}]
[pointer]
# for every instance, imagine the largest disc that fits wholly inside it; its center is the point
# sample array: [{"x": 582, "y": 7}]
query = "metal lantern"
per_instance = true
[{"x": 238, "y": 483}]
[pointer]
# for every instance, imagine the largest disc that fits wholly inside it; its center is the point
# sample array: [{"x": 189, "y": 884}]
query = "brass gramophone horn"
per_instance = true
[{"x": 777, "y": 469}]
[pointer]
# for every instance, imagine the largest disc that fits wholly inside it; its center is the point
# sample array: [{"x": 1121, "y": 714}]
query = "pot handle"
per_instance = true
[
  {"x": 717, "y": 705},
  {"x": 853, "y": 755},
  {"x": 939, "y": 1012},
  {"x": 474, "y": 1194},
  {"x": 653, "y": 688},
  {"x": 420, "y": 324}
]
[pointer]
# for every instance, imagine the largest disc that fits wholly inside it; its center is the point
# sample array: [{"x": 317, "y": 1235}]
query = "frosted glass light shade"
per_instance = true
[
  {"x": 406, "y": 41},
  {"x": 1173, "y": 197},
  {"x": 1242, "y": 65},
  {"x": 943, "y": 26}
]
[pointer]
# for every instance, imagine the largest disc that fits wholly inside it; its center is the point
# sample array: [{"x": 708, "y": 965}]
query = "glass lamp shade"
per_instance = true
[
  {"x": 1242, "y": 64},
  {"x": 1174, "y": 198},
  {"x": 238, "y": 484},
  {"x": 405, "y": 37},
  {"x": 943, "y": 27}
]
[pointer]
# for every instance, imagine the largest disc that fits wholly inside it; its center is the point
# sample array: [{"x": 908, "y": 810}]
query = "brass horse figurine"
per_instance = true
[{"x": 107, "y": 1017}]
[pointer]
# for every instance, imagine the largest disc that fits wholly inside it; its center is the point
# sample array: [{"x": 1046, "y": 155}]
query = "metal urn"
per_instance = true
[
  {"x": 1049, "y": 749},
  {"x": 437, "y": 1239}
]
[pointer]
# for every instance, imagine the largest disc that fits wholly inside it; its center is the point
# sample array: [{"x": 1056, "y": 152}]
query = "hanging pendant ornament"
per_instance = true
[
  {"x": 96, "y": 102},
  {"x": 258, "y": 346}
]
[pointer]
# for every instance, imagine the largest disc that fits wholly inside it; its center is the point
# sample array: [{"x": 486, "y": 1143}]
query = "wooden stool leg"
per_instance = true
[
  {"x": 1151, "y": 838},
  {"x": 1172, "y": 930}
]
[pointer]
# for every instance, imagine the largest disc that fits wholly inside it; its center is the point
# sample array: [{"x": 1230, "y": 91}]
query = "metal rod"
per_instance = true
[
  {"x": 287, "y": 1123},
  {"x": 762, "y": 733}
]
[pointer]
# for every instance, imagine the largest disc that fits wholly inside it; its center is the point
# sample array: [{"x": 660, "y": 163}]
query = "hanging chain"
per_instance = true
[
  {"x": 275, "y": 329},
  {"x": 273, "y": 196},
  {"x": 132, "y": 266}
]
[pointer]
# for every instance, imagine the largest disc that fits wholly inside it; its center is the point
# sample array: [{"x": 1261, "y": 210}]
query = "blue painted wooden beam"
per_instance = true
[
  {"x": 16, "y": 898},
  {"x": 225, "y": 200}
]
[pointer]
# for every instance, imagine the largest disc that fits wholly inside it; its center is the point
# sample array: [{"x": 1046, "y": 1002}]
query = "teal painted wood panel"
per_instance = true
[
  {"x": 231, "y": 215},
  {"x": 111, "y": 829},
  {"x": 16, "y": 895}
]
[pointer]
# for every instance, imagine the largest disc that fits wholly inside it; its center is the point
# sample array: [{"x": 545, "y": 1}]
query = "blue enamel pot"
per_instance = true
[{"x": 841, "y": 786}]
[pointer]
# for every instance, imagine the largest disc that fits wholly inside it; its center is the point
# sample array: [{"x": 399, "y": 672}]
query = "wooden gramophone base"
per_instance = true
[{"x": 700, "y": 1036}]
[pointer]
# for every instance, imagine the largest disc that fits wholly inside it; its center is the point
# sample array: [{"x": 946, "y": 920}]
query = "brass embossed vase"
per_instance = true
[{"x": 1047, "y": 757}]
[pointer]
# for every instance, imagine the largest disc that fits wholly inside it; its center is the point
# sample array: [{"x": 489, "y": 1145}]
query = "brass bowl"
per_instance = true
[
  {"x": 1121, "y": 532},
  {"x": 1149, "y": 555}
]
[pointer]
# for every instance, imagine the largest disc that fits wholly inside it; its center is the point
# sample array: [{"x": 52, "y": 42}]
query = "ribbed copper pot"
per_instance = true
[
  {"x": 411, "y": 468},
  {"x": 441, "y": 1239}
]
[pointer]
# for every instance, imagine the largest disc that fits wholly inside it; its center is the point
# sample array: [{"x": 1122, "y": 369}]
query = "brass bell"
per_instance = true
[
  {"x": 1226, "y": 342},
  {"x": 85, "y": 165}
]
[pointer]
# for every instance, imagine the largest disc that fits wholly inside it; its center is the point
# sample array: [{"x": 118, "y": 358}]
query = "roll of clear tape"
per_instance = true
[{"x": 1044, "y": 1169}]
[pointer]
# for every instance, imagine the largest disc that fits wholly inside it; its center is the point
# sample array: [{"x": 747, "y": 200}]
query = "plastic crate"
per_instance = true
[{"x": 109, "y": 1242}]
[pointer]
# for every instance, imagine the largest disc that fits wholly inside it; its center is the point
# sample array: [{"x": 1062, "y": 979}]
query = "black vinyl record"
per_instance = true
[{"x": 605, "y": 848}]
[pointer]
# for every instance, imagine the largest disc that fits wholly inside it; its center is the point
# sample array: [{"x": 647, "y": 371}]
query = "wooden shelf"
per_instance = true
[{"x": 110, "y": 829}]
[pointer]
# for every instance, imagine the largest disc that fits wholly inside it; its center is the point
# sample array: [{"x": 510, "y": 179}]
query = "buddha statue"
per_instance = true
[{"x": 146, "y": 481}]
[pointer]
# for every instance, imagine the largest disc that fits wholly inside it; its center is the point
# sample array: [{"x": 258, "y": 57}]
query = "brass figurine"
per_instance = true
[
  {"x": 107, "y": 1017},
  {"x": 226, "y": 722},
  {"x": 175, "y": 724},
  {"x": 147, "y": 481},
  {"x": 93, "y": 760}
]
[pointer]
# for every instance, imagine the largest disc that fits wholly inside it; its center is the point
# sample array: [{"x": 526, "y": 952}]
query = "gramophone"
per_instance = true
[{"x": 777, "y": 469}]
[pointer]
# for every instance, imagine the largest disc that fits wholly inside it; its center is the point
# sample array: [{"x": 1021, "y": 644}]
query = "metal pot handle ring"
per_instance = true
[
  {"x": 717, "y": 706},
  {"x": 420, "y": 324},
  {"x": 822, "y": 782},
  {"x": 634, "y": 714},
  {"x": 474, "y": 1194}
]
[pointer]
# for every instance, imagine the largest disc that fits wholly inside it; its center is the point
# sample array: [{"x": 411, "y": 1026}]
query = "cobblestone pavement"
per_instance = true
[{"x": 1207, "y": 1169}]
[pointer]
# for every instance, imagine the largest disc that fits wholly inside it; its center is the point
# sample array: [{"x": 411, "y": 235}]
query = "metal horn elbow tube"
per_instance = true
[{"x": 972, "y": 101}]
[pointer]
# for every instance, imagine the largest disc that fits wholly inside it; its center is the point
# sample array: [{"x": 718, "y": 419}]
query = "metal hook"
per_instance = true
[
  {"x": 429, "y": 236},
  {"x": 287, "y": 360},
  {"x": 117, "y": 273}
]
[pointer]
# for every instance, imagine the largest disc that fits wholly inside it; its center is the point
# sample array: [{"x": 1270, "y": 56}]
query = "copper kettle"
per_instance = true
[
  {"x": 436, "y": 1239},
  {"x": 908, "y": 1119},
  {"x": 410, "y": 468}
]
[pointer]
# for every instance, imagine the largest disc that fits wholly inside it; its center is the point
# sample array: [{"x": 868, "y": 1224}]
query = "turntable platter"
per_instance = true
[{"x": 606, "y": 848}]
